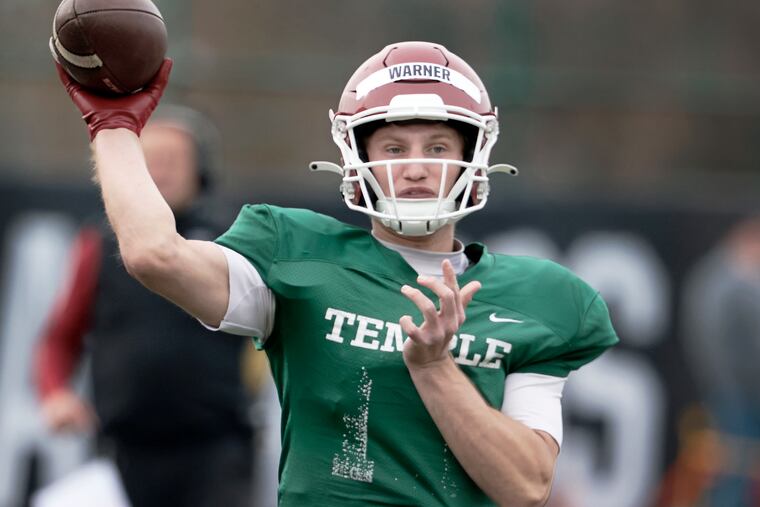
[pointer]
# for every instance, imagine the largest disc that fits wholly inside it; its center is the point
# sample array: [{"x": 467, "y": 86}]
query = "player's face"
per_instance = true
[
  {"x": 170, "y": 156},
  {"x": 415, "y": 140}
]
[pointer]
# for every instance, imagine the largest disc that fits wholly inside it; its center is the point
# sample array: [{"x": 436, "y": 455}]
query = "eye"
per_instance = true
[
  {"x": 393, "y": 150},
  {"x": 438, "y": 149}
]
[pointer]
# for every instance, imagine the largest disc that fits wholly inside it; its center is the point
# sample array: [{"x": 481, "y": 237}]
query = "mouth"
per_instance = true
[{"x": 416, "y": 193}]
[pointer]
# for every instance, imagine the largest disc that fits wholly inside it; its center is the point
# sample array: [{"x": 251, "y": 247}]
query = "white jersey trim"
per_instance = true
[
  {"x": 535, "y": 400},
  {"x": 250, "y": 310}
]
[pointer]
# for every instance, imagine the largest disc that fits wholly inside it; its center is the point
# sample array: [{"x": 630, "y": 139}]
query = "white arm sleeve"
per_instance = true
[
  {"x": 535, "y": 400},
  {"x": 250, "y": 311}
]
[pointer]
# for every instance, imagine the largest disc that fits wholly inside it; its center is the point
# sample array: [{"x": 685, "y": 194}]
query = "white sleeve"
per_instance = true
[
  {"x": 250, "y": 311},
  {"x": 535, "y": 400}
]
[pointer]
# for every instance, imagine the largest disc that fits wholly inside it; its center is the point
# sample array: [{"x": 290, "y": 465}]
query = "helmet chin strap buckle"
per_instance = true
[
  {"x": 415, "y": 217},
  {"x": 416, "y": 228},
  {"x": 413, "y": 227}
]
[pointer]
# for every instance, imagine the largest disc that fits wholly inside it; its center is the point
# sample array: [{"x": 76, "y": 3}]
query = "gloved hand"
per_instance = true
[{"x": 126, "y": 111}]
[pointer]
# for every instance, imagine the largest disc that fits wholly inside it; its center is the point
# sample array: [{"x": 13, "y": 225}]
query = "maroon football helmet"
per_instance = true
[{"x": 415, "y": 81}]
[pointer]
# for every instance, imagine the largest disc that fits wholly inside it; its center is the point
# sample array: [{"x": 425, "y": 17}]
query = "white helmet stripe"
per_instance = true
[{"x": 415, "y": 71}]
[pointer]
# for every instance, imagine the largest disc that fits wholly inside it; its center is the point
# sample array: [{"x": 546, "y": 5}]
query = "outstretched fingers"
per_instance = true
[
  {"x": 409, "y": 328},
  {"x": 439, "y": 323},
  {"x": 447, "y": 320},
  {"x": 468, "y": 292},
  {"x": 450, "y": 279},
  {"x": 429, "y": 342},
  {"x": 427, "y": 307}
]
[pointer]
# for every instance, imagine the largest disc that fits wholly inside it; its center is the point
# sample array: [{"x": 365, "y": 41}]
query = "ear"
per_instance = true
[
  {"x": 474, "y": 199},
  {"x": 358, "y": 198}
]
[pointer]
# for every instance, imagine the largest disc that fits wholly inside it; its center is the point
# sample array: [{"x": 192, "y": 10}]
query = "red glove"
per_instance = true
[{"x": 127, "y": 111}]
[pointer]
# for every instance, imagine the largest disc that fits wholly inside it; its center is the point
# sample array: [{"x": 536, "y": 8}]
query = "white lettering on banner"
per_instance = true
[
  {"x": 419, "y": 70},
  {"x": 415, "y": 71},
  {"x": 367, "y": 335}
]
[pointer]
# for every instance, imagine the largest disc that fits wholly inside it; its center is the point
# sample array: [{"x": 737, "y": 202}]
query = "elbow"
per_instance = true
[
  {"x": 530, "y": 498},
  {"x": 537, "y": 494},
  {"x": 534, "y": 493},
  {"x": 146, "y": 262},
  {"x": 539, "y": 497}
]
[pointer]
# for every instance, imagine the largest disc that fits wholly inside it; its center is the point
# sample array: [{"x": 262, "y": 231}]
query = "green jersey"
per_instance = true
[{"x": 354, "y": 429}]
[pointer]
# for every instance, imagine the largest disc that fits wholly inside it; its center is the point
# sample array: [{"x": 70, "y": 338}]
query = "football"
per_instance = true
[{"x": 109, "y": 46}]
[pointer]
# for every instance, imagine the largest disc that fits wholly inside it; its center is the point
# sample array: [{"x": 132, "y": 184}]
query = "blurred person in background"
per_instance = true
[
  {"x": 170, "y": 405},
  {"x": 722, "y": 344},
  {"x": 377, "y": 409}
]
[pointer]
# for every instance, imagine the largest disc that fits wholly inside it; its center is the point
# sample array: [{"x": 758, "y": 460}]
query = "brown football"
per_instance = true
[{"x": 109, "y": 46}]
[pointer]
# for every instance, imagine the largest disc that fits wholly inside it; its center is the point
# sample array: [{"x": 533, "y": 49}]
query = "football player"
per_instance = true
[{"x": 411, "y": 369}]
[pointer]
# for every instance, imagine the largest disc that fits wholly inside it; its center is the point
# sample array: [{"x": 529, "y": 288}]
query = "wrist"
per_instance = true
[
  {"x": 97, "y": 123},
  {"x": 436, "y": 368},
  {"x": 114, "y": 134},
  {"x": 439, "y": 380}
]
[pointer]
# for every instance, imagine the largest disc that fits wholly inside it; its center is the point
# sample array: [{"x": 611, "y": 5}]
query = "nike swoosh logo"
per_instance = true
[{"x": 494, "y": 318}]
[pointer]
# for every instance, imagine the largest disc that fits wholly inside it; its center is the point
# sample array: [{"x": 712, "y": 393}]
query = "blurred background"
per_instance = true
[{"x": 636, "y": 128}]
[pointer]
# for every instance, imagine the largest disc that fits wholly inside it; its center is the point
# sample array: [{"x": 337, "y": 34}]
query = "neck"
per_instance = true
[{"x": 441, "y": 240}]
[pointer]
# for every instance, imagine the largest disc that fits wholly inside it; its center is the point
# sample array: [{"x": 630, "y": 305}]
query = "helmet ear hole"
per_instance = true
[
  {"x": 357, "y": 198},
  {"x": 476, "y": 195},
  {"x": 352, "y": 191},
  {"x": 479, "y": 192}
]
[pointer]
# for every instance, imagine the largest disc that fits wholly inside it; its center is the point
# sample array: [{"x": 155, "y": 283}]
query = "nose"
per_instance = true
[{"x": 415, "y": 171}]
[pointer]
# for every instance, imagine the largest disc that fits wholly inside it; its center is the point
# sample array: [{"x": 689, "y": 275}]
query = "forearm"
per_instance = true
[
  {"x": 143, "y": 222},
  {"x": 510, "y": 462}
]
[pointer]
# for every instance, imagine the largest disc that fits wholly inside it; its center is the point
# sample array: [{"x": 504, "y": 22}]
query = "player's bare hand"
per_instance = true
[
  {"x": 429, "y": 342},
  {"x": 64, "y": 411}
]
